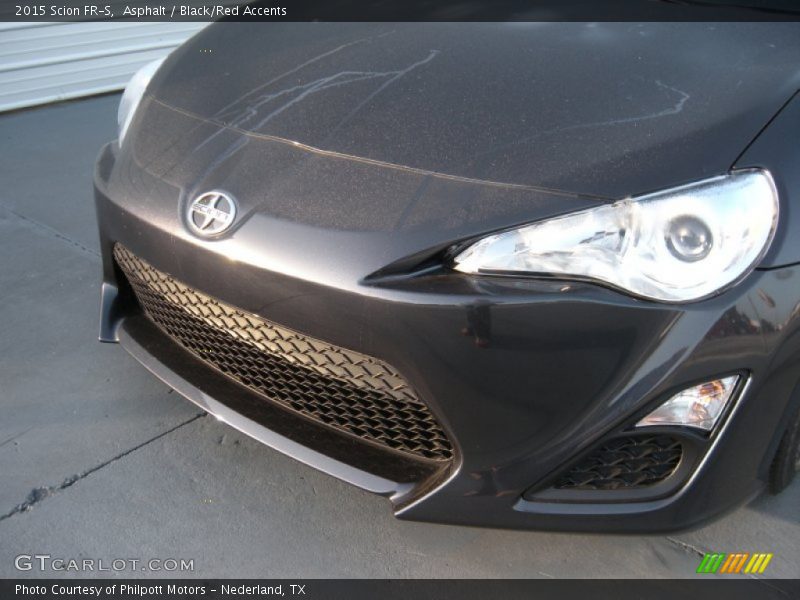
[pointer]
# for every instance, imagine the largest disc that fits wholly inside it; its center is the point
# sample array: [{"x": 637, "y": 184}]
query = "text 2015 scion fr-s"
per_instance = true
[{"x": 516, "y": 275}]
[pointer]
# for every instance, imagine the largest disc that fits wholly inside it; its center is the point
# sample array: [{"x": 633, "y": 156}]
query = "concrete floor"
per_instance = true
[{"x": 100, "y": 460}]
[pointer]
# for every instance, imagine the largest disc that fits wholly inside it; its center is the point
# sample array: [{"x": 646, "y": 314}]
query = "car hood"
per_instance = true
[
  {"x": 601, "y": 109},
  {"x": 377, "y": 144}
]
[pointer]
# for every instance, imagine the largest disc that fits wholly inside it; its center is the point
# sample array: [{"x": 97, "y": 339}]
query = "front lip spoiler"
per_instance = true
[{"x": 145, "y": 343}]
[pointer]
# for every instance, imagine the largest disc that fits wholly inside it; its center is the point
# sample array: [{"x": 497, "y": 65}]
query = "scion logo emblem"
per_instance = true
[{"x": 211, "y": 213}]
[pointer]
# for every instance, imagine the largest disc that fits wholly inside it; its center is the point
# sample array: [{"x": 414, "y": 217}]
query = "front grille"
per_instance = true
[
  {"x": 348, "y": 391},
  {"x": 631, "y": 462}
]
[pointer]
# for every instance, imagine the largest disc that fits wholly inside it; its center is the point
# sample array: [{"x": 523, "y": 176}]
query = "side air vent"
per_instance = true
[{"x": 634, "y": 461}]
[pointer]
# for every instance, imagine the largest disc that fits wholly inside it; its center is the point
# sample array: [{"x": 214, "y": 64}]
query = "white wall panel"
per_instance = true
[{"x": 47, "y": 62}]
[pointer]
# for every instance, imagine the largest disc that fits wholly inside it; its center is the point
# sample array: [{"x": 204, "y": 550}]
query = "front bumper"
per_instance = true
[{"x": 523, "y": 375}]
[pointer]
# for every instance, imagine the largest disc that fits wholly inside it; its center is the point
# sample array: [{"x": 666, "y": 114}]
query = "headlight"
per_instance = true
[
  {"x": 678, "y": 245},
  {"x": 133, "y": 94}
]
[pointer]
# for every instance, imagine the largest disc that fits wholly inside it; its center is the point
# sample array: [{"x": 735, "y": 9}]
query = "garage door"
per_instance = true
[{"x": 47, "y": 62}]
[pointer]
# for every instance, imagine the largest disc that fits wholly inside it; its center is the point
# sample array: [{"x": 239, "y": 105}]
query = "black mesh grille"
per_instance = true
[
  {"x": 630, "y": 462},
  {"x": 346, "y": 390}
]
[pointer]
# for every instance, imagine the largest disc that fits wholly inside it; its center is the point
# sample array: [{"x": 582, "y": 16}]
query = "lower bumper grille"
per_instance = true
[
  {"x": 346, "y": 390},
  {"x": 631, "y": 462}
]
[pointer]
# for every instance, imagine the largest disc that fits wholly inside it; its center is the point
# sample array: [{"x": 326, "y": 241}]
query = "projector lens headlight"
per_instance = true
[
  {"x": 700, "y": 406},
  {"x": 679, "y": 245},
  {"x": 133, "y": 94}
]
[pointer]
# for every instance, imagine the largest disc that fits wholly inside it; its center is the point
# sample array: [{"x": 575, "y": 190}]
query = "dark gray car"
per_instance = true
[{"x": 520, "y": 275}]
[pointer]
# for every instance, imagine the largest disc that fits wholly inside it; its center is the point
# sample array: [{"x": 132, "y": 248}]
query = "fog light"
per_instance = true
[{"x": 700, "y": 406}]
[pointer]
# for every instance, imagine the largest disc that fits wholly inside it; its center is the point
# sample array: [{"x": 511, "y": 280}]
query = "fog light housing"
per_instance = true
[{"x": 699, "y": 406}]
